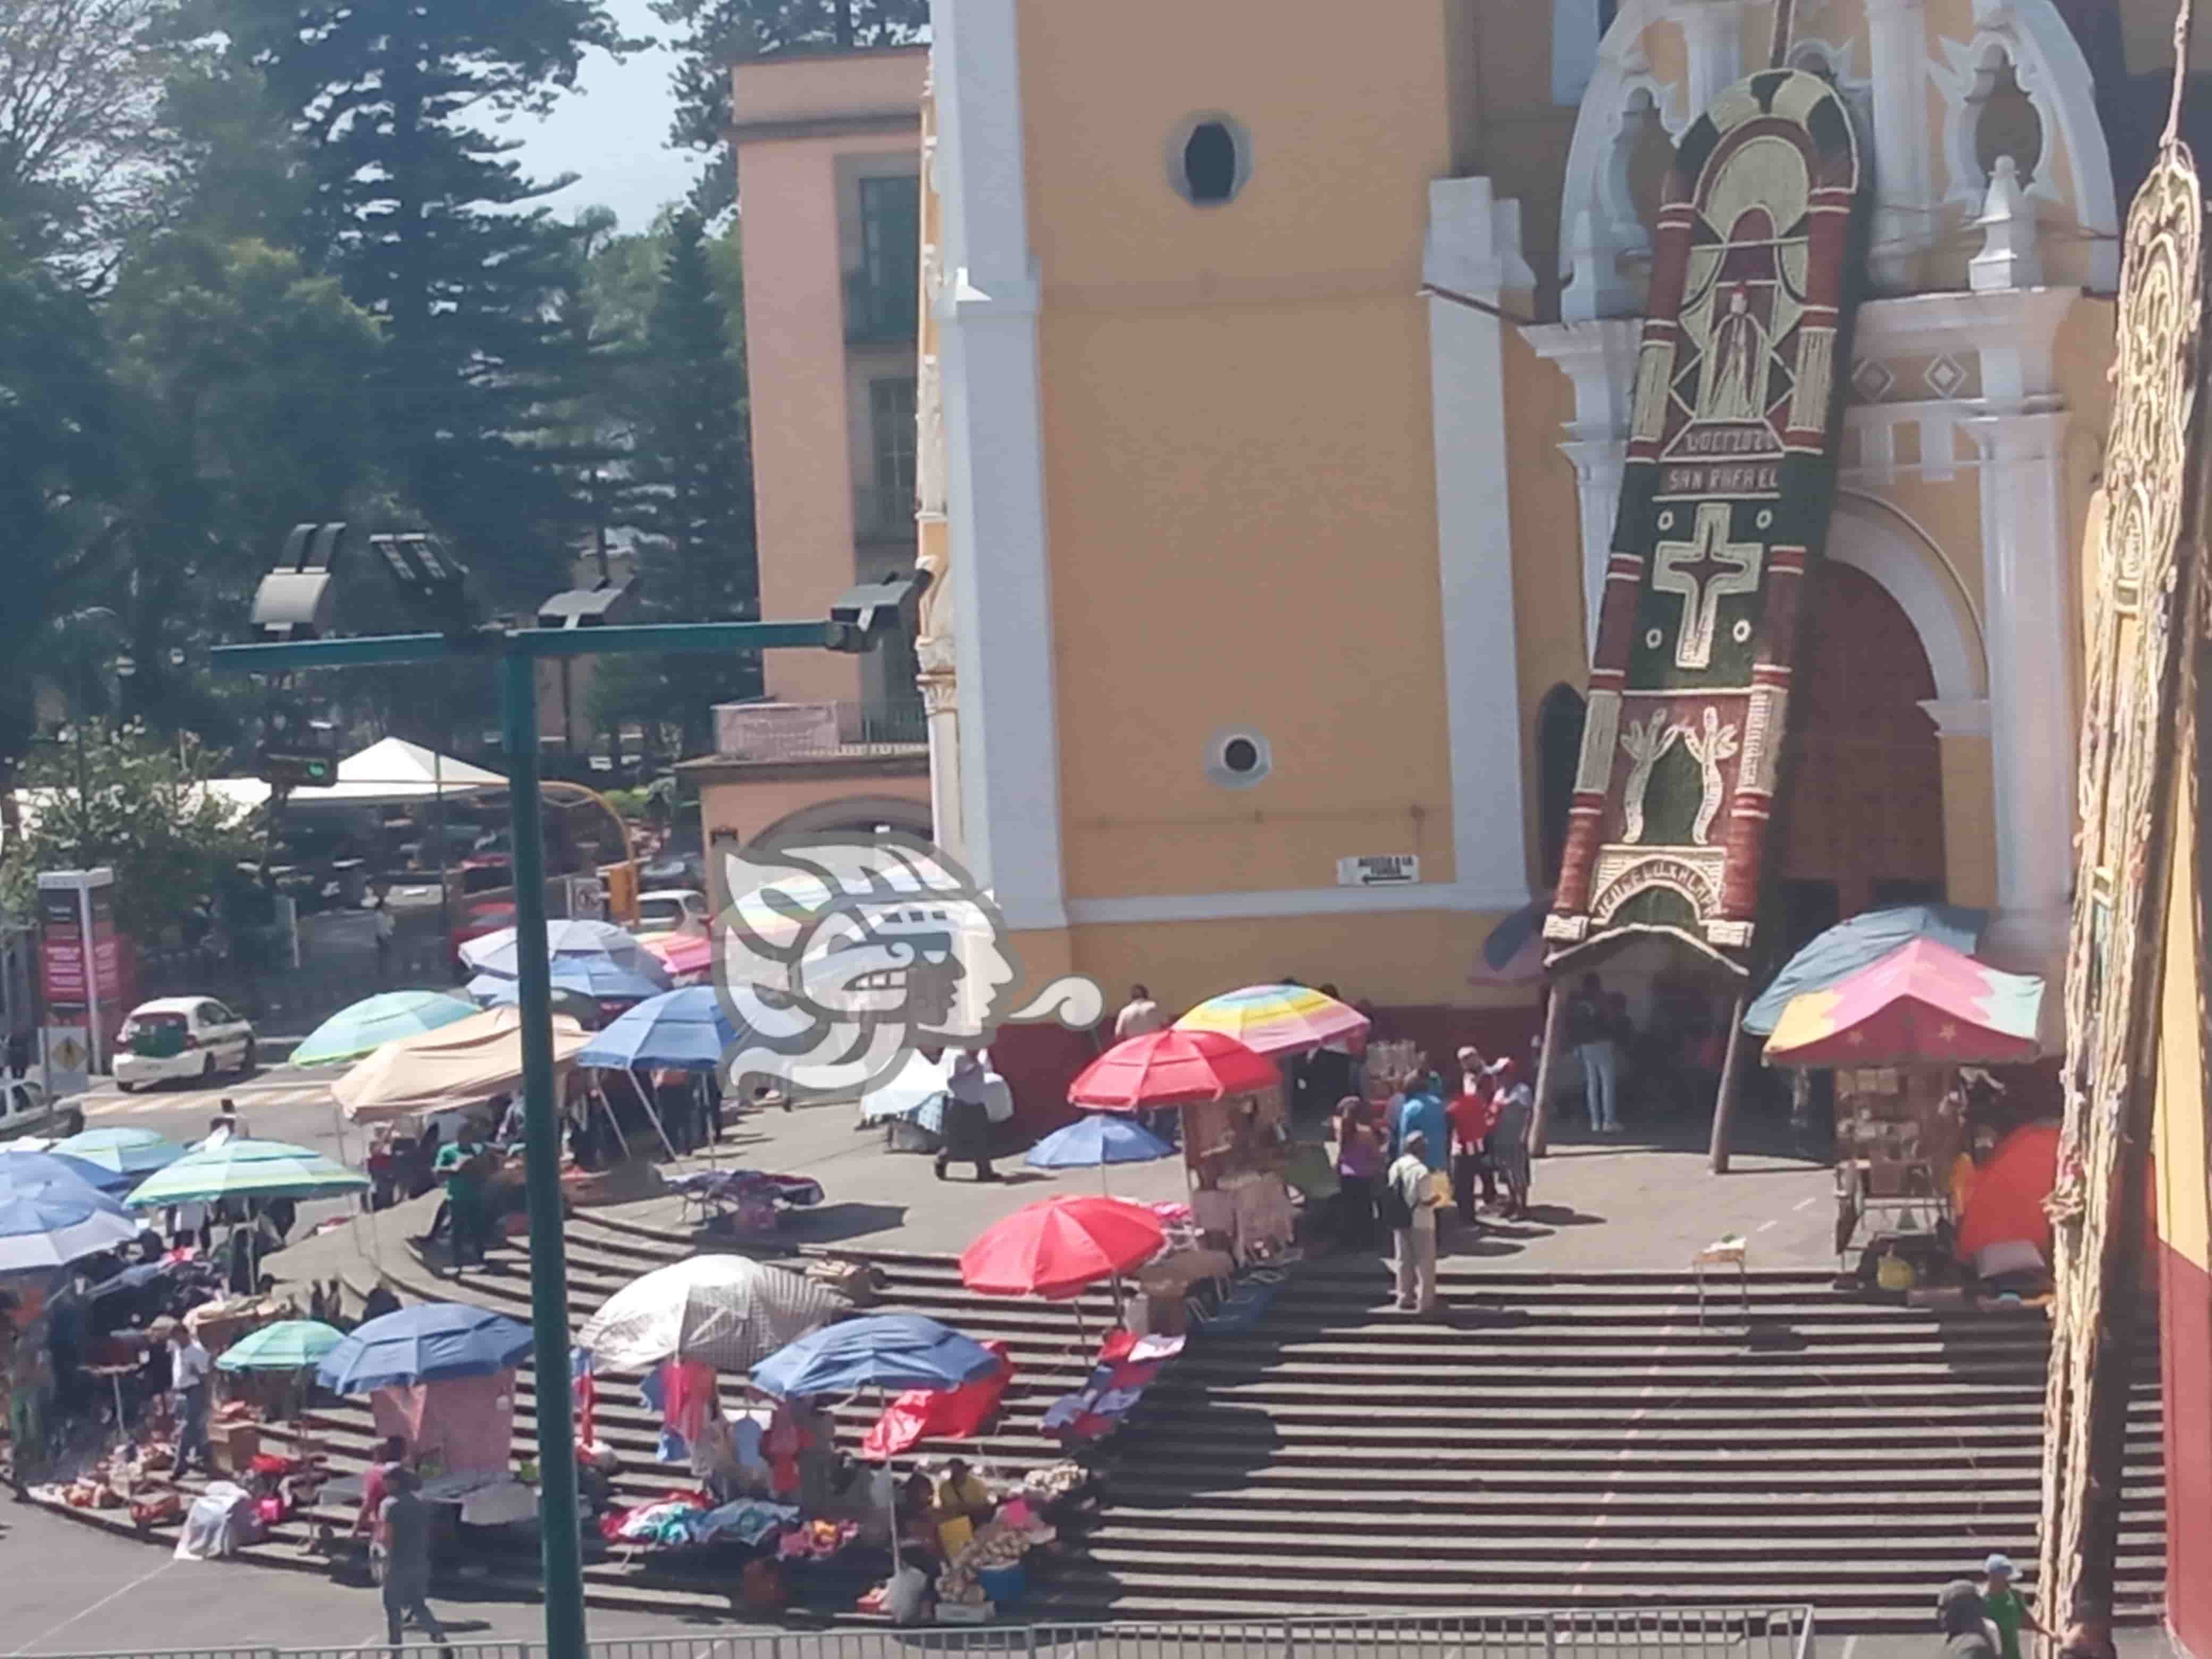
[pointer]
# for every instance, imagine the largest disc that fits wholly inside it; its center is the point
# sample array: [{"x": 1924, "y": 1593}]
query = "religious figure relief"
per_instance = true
[
  {"x": 1732, "y": 379},
  {"x": 1718, "y": 743},
  {"x": 1647, "y": 744}
]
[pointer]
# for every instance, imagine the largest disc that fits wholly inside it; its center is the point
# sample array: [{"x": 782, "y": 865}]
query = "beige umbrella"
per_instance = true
[{"x": 726, "y": 1311}]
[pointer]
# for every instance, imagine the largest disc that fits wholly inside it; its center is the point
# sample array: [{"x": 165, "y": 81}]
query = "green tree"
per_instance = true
[
  {"x": 692, "y": 467},
  {"x": 239, "y": 373},
  {"x": 713, "y": 34},
  {"x": 428, "y": 224},
  {"x": 139, "y": 803}
]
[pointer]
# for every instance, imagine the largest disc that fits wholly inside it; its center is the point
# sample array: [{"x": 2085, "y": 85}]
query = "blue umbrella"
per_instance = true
[
  {"x": 1850, "y": 946},
  {"x": 24, "y": 1169},
  {"x": 1098, "y": 1138},
  {"x": 884, "y": 1351},
  {"x": 51, "y": 1220},
  {"x": 590, "y": 977},
  {"x": 425, "y": 1344},
  {"x": 685, "y": 1028}
]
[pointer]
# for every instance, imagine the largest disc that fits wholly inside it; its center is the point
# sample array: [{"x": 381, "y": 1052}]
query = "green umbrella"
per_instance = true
[
  {"x": 246, "y": 1169},
  {"x": 370, "y": 1024},
  {"x": 290, "y": 1345}
]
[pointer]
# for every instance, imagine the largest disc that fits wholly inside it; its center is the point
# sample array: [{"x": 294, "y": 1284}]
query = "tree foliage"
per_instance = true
[
  {"x": 710, "y": 35},
  {"x": 138, "y": 802}
]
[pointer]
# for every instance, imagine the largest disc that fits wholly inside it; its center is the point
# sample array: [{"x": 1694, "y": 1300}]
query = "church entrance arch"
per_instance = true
[{"x": 1863, "y": 826}]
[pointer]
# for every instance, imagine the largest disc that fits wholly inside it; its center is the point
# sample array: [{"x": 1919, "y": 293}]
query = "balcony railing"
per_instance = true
[
  {"x": 877, "y": 313},
  {"x": 821, "y": 731}
]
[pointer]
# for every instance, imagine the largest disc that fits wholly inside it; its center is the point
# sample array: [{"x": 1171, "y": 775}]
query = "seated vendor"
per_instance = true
[{"x": 960, "y": 1494}]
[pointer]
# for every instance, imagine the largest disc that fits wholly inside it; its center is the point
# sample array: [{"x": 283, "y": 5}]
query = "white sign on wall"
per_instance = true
[{"x": 1379, "y": 870}]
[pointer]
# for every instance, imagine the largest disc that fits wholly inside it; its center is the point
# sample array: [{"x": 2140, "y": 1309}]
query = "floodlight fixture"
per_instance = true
[
  {"x": 874, "y": 611},
  {"x": 298, "y": 598},
  {"x": 431, "y": 581},
  {"x": 605, "y": 601}
]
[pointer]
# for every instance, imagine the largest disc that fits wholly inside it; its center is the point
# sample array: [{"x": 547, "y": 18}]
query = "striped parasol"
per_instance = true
[{"x": 1277, "y": 1019}]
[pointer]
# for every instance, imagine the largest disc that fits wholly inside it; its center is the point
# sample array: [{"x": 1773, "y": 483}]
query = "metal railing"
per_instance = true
[{"x": 1746, "y": 1633}]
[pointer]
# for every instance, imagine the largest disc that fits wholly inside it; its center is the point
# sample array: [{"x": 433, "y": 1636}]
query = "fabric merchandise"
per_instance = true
[
  {"x": 584, "y": 1393},
  {"x": 499, "y": 1505},
  {"x": 219, "y": 1520},
  {"x": 748, "y": 1520},
  {"x": 462, "y": 1424},
  {"x": 922, "y": 1414},
  {"x": 689, "y": 1389},
  {"x": 1723, "y": 510},
  {"x": 1265, "y": 1220},
  {"x": 1128, "y": 1365}
]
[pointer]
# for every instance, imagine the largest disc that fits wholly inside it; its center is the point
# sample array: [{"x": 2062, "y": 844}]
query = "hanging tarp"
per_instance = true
[{"x": 1723, "y": 507}]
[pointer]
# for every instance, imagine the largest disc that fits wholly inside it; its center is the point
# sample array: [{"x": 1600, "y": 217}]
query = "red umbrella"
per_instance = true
[
  {"x": 1171, "y": 1068},
  {"x": 1056, "y": 1247}
]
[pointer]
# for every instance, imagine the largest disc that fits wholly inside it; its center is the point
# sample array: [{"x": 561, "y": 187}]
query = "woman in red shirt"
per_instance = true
[{"x": 1472, "y": 1115}]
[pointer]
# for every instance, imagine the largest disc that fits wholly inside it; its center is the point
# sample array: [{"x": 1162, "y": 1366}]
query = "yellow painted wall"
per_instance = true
[{"x": 1238, "y": 467}]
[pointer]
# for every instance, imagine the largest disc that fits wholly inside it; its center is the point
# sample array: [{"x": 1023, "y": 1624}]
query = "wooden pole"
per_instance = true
[
  {"x": 1731, "y": 1086},
  {"x": 1539, "y": 1123}
]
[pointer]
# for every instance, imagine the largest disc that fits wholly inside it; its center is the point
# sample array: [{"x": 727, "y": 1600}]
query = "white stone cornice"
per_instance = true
[
  {"x": 1473, "y": 241},
  {"x": 1922, "y": 325},
  {"x": 1959, "y": 717}
]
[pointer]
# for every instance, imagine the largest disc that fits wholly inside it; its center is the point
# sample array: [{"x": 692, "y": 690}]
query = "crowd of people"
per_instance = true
[{"x": 1400, "y": 1163}]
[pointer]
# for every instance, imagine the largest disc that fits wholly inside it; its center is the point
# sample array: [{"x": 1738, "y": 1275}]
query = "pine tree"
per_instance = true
[
  {"x": 692, "y": 471},
  {"x": 426, "y": 223}
]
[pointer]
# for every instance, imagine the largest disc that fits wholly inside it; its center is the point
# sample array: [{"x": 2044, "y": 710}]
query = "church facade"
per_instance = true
[{"x": 1283, "y": 390}]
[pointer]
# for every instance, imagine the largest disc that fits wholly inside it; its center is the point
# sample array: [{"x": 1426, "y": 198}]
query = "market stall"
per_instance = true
[{"x": 1900, "y": 1033}]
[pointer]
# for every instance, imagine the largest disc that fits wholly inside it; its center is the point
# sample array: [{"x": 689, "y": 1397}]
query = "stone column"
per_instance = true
[
  {"x": 1599, "y": 357},
  {"x": 2026, "y": 595},
  {"x": 1903, "y": 212},
  {"x": 1712, "y": 30}
]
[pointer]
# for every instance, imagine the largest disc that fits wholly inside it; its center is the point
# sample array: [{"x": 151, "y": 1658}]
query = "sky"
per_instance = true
[{"x": 612, "y": 129}]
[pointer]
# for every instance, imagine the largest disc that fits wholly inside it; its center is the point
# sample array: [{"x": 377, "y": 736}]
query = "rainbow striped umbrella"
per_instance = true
[{"x": 1277, "y": 1019}]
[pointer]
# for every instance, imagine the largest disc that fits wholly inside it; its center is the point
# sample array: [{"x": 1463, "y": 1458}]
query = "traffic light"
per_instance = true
[
  {"x": 288, "y": 767},
  {"x": 621, "y": 882}
]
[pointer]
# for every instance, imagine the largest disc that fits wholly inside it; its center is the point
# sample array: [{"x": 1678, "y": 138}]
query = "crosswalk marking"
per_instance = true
[{"x": 302, "y": 1094}]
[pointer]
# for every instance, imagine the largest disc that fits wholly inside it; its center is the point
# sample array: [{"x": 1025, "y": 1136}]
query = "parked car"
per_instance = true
[
  {"x": 181, "y": 1038},
  {"x": 668, "y": 909},
  {"x": 26, "y": 1109},
  {"x": 666, "y": 870}
]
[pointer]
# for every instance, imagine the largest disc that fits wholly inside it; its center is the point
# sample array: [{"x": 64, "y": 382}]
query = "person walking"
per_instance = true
[
  {"x": 388, "y": 929},
  {"x": 405, "y": 1522},
  {"x": 967, "y": 1119},
  {"x": 1589, "y": 1032},
  {"x": 461, "y": 1161},
  {"x": 1411, "y": 1199},
  {"x": 2007, "y": 1609},
  {"x": 1359, "y": 1162},
  {"x": 190, "y": 1364}
]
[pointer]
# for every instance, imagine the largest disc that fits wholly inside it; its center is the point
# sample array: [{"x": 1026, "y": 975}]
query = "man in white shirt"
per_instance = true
[
  {"x": 1416, "y": 1252},
  {"x": 189, "y": 1366},
  {"x": 1140, "y": 1017}
]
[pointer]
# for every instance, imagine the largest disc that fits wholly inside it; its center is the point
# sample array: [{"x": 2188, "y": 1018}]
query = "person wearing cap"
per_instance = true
[
  {"x": 1514, "y": 1105},
  {"x": 2006, "y": 1607},
  {"x": 1472, "y": 1113}
]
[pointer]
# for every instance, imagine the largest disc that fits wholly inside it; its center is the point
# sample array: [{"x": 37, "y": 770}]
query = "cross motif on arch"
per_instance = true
[{"x": 1701, "y": 571}]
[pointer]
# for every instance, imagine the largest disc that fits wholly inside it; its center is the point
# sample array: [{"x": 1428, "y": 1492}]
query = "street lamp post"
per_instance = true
[{"x": 856, "y": 624}]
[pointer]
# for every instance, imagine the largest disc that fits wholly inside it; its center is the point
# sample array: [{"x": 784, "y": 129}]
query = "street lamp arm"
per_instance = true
[{"x": 285, "y": 655}]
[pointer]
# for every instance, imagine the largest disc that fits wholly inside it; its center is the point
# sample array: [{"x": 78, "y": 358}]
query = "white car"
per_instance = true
[
  {"x": 181, "y": 1038},
  {"x": 669, "y": 910},
  {"x": 26, "y": 1113}
]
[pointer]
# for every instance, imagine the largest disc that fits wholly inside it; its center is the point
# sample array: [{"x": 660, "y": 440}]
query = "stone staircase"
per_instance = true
[{"x": 1555, "y": 1441}]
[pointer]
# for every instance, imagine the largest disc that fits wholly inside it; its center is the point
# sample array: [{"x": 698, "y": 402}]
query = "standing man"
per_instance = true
[
  {"x": 189, "y": 1367},
  {"x": 1140, "y": 1017},
  {"x": 1588, "y": 1031},
  {"x": 405, "y": 1521},
  {"x": 1473, "y": 1111},
  {"x": 1415, "y": 1254},
  {"x": 2006, "y": 1607},
  {"x": 461, "y": 1161}
]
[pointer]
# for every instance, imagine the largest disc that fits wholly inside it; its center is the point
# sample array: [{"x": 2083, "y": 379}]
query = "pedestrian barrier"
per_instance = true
[{"x": 1760, "y": 1632}]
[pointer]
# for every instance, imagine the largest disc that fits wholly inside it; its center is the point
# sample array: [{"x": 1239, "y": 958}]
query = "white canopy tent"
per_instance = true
[{"x": 391, "y": 772}]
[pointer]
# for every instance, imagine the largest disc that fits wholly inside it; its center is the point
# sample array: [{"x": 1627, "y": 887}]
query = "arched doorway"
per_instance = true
[{"x": 1862, "y": 825}]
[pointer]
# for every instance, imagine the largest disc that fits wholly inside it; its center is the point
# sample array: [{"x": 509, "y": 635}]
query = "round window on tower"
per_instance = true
[
  {"x": 1209, "y": 159},
  {"x": 1238, "y": 759}
]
